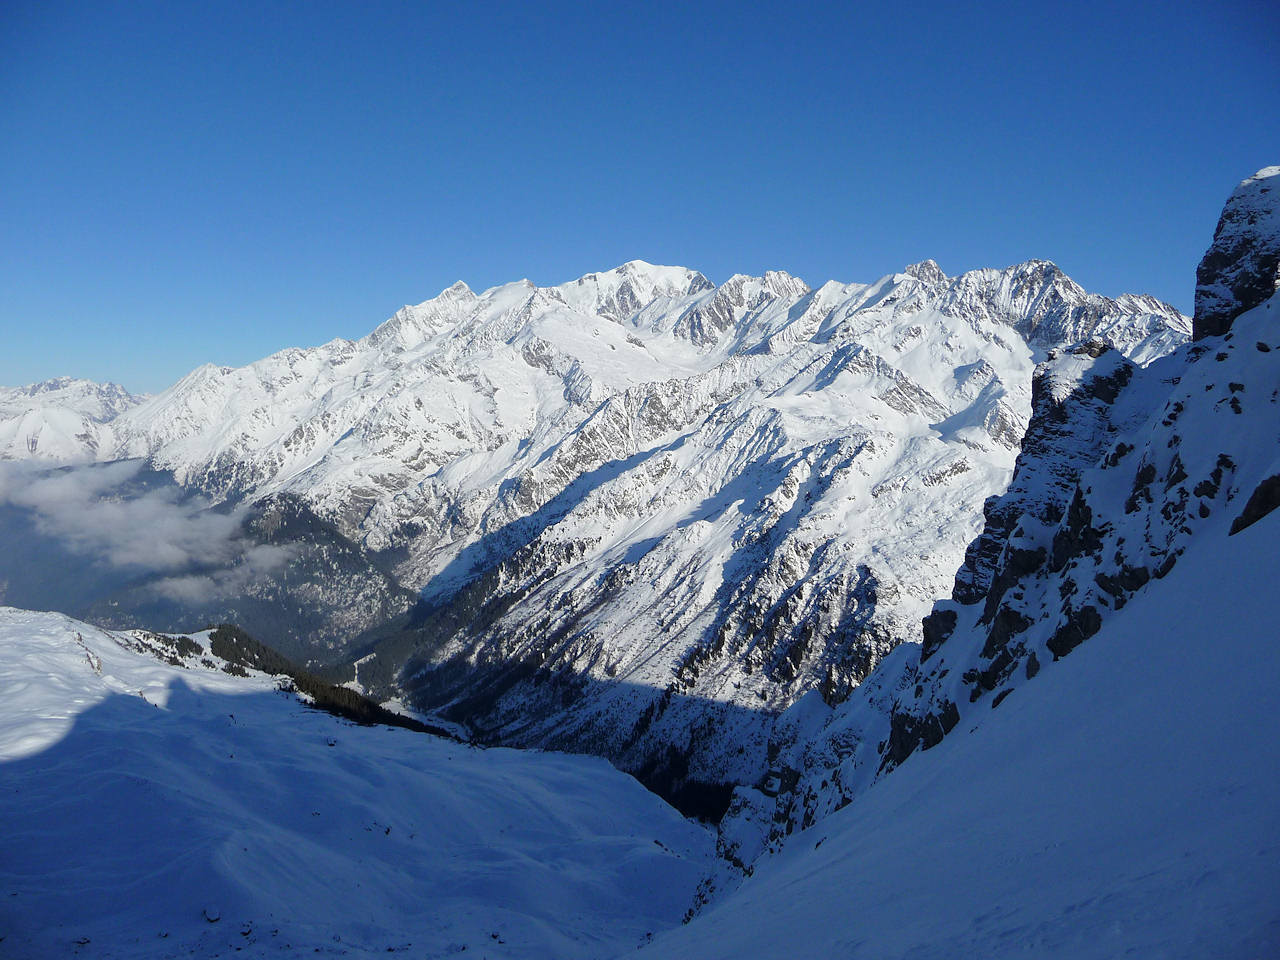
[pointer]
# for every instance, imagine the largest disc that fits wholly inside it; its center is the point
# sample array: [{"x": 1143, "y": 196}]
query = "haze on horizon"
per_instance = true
[{"x": 186, "y": 185}]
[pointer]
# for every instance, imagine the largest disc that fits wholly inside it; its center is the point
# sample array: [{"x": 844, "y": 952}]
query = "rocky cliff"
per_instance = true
[{"x": 1241, "y": 268}]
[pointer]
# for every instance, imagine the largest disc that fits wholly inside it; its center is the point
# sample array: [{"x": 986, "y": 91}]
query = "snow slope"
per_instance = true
[
  {"x": 158, "y": 810},
  {"x": 1127, "y": 802}
]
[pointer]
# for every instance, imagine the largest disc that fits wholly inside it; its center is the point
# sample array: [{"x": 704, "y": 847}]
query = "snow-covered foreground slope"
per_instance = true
[
  {"x": 1125, "y": 803},
  {"x": 154, "y": 810}
]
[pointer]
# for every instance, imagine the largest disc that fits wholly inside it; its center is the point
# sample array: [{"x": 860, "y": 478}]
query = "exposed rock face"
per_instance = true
[
  {"x": 1069, "y": 420},
  {"x": 1264, "y": 499},
  {"x": 1241, "y": 268}
]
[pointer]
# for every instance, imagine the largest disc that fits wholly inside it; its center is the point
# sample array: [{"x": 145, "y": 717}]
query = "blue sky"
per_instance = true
[{"x": 182, "y": 183}]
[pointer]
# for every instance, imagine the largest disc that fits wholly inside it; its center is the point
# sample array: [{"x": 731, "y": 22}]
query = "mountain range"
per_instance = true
[{"x": 641, "y": 514}]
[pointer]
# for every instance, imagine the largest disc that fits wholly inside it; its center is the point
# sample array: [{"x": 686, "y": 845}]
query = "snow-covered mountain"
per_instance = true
[
  {"x": 656, "y": 582},
  {"x": 63, "y": 419},
  {"x": 646, "y": 513},
  {"x": 1074, "y": 759}
]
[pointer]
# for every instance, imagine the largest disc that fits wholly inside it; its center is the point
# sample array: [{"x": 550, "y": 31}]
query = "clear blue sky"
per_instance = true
[{"x": 182, "y": 183}]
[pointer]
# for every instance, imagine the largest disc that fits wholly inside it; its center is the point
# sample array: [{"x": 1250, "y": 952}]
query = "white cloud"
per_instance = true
[{"x": 112, "y": 513}]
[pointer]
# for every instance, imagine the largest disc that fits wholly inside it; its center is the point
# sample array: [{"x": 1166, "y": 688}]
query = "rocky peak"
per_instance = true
[
  {"x": 622, "y": 292},
  {"x": 411, "y": 324},
  {"x": 783, "y": 284},
  {"x": 459, "y": 291},
  {"x": 1241, "y": 268},
  {"x": 705, "y": 321},
  {"x": 926, "y": 271}
]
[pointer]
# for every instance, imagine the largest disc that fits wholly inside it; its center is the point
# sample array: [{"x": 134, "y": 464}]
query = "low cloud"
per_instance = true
[
  {"x": 121, "y": 518},
  {"x": 250, "y": 567}
]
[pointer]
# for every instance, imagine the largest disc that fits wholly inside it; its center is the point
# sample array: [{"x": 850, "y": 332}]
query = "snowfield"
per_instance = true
[
  {"x": 1125, "y": 803},
  {"x": 154, "y": 811}
]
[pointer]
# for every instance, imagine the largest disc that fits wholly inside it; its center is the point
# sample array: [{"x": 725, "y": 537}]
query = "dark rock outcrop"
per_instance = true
[
  {"x": 1264, "y": 499},
  {"x": 1242, "y": 266}
]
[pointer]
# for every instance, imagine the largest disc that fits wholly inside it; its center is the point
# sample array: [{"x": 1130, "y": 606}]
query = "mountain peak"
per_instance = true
[
  {"x": 784, "y": 284},
  {"x": 926, "y": 271},
  {"x": 628, "y": 288},
  {"x": 1036, "y": 266},
  {"x": 1241, "y": 268},
  {"x": 459, "y": 291}
]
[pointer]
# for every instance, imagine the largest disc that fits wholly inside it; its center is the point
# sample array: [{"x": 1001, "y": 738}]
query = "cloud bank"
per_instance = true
[{"x": 106, "y": 512}]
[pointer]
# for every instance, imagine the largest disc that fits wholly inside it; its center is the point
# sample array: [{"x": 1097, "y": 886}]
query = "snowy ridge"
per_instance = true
[{"x": 156, "y": 806}]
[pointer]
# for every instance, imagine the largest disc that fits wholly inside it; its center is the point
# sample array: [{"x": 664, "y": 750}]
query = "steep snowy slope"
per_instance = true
[
  {"x": 63, "y": 419},
  {"x": 1126, "y": 803},
  {"x": 167, "y": 809}
]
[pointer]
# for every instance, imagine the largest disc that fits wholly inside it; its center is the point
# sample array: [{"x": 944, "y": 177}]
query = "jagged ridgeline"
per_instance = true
[{"x": 642, "y": 514}]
